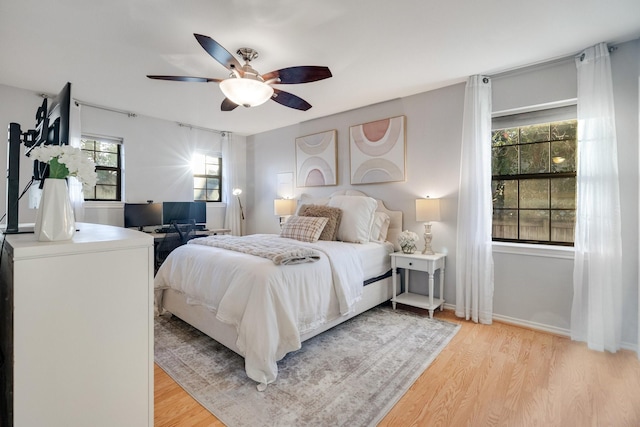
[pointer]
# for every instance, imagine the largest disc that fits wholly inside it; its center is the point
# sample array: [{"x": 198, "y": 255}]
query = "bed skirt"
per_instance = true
[{"x": 205, "y": 320}]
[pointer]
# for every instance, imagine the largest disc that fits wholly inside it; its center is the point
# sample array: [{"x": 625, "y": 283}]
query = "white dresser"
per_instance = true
[{"x": 77, "y": 321}]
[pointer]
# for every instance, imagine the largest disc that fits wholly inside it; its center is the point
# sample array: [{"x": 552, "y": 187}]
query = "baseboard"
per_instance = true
[
  {"x": 532, "y": 325},
  {"x": 544, "y": 328},
  {"x": 524, "y": 323}
]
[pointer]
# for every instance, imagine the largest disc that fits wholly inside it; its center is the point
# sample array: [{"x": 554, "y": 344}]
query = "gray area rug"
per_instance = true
[{"x": 351, "y": 375}]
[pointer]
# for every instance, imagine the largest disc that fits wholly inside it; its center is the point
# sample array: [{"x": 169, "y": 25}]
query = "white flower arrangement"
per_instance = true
[
  {"x": 65, "y": 161},
  {"x": 407, "y": 241}
]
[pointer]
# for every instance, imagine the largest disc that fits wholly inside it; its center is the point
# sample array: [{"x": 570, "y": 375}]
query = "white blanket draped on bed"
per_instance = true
[
  {"x": 275, "y": 248},
  {"x": 270, "y": 305}
]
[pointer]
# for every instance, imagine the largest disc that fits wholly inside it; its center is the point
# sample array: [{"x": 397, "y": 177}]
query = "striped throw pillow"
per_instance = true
[{"x": 303, "y": 228}]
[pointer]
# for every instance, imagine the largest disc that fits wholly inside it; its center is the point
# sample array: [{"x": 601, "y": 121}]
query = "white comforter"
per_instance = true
[{"x": 270, "y": 305}]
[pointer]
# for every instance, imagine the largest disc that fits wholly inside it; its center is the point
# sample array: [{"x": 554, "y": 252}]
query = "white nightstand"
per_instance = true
[{"x": 419, "y": 262}]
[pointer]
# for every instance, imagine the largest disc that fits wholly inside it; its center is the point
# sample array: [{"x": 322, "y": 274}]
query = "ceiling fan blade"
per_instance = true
[
  {"x": 290, "y": 100},
  {"x": 302, "y": 74},
  {"x": 228, "y": 105},
  {"x": 185, "y": 79},
  {"x": 218, "y": 52}
]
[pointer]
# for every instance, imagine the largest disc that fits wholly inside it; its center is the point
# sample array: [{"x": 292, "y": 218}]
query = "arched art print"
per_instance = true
[
  {"x": 377, "y": 151},
  {"x": 316, "y": 160}
]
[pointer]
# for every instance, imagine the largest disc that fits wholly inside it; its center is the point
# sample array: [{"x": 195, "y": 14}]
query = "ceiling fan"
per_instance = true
[{"x": 245, "y": 86}]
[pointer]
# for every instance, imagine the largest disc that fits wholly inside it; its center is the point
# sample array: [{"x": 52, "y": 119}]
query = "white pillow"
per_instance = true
[
  {"x": 357, "y": 217},
  {"x": 380, "y": 227}
]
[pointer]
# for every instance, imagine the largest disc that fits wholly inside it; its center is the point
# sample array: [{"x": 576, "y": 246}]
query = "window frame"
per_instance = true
[
  {"x": 118, "y": 169},
  {"x": 206, "y": 176},
  {"x": 529, "y": 118}
]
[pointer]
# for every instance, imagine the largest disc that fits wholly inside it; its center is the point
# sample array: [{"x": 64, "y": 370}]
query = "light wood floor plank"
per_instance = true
[{"x": 496, "y": 375}]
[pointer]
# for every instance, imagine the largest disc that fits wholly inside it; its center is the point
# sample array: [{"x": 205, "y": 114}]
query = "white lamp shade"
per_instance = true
[
  {"x": 427, "y": 210},
  {"x": 283, "y": 207},
  {"x": 246, "y": 91}
]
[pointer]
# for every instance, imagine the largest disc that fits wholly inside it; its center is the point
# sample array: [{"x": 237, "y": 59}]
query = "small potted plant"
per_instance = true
[{"x": 407, "y": 241}]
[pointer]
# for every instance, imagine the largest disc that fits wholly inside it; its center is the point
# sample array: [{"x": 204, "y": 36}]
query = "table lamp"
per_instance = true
[
  {"x": 427, "y": 210},
  {"x": 284, "y": 208}
]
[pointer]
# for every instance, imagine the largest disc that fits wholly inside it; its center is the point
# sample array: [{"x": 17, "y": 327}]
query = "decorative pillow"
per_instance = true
[
  {"x": 380, "y": 226},
  {"x": 303, "y": 228},
  {"x": 332, "y": 214},
  {"x": 357, "y": 217},
  {"x": 305, "y": 199}
]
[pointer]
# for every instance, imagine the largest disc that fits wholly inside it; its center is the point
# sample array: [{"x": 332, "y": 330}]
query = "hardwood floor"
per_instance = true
[{"x": 497, "y": 375}]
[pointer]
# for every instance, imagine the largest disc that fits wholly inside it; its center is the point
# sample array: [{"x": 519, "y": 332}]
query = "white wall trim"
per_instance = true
[
  {"x": 542, "y": 327},
  {"x": 630, "y": 346},
  {"x": 531, "y": 108},
  {"x": 549, "y": 251},
  {"x": 524, "y": 323},
  {"x": 532, "y": 325},
  {"x": 118, "y": 205},
  {"x": 103, "y": 205}
]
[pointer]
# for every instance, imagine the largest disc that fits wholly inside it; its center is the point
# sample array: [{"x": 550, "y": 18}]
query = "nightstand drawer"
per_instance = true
[{"x": 413, "y": 263}]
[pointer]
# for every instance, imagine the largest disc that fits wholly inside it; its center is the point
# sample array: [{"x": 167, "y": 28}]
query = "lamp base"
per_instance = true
[
  {"x": 427, "y": 240},
  {"x": 283, "y": 219}
]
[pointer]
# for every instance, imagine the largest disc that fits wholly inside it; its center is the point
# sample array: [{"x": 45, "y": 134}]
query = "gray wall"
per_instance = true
[{"x": 533, "y": 286}]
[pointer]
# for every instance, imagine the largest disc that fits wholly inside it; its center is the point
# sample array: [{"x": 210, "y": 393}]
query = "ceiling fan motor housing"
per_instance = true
[{"x": 247, "y": 53}]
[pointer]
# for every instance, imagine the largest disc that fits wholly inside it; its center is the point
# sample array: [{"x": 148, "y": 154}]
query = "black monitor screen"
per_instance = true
[
  {"x": 183, "y": 212},
  {"x": 178, "y": 212},
  {"x": 142, "y": 214},
  {"x": 199, "y": 212}
]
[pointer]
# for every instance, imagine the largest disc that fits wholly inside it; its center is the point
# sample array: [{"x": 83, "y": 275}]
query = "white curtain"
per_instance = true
[
  {"x": 474, "y": 257},
  {"x": 233, "y": 215},
  {"x": 596, "y": 313},
  {"x": 75, "y": 187}
]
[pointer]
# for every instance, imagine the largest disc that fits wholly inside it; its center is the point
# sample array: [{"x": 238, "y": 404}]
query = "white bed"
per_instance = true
[{"x": 262, "y": 310}]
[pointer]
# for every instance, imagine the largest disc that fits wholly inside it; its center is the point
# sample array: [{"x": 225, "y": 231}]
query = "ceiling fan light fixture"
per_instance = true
[
  {"x": 246, "y": 91},
  {"x": 245, "y": 86}
]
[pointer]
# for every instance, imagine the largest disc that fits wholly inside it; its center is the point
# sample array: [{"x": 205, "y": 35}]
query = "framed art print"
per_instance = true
[
  {"x": 285, "y": 185},
  {"x": 377, "y": 151},
  {"x": 316, "y": 159}
]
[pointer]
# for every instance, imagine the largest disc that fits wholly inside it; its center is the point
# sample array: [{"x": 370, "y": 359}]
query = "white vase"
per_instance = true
[{"x": 55, "y": 220}]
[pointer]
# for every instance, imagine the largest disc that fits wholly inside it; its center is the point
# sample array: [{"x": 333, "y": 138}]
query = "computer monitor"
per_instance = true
[
  {"x": 176, "y": 212},
  {"x": 184, "y": 212},
  {"x": 142, "y": 215},
  {"x": 198, "y": 212}
]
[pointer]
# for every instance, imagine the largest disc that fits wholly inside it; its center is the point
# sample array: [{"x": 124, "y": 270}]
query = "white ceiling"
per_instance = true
[{"x": 376, "y": 49}]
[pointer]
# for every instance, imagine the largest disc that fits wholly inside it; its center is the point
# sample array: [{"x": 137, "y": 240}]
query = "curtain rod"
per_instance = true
[
  {"x": 130, "y": 114},
  {"x": 100, "y": 107},
  {"x": 86, "y": 104},
  {"x": 221, "y": 132},
  {"x": 557, "y": 60}
]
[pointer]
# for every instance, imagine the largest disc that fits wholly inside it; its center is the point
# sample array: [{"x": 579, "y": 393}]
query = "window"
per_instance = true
[
  {"x": 207, "y": 177},
  {"x": 534, "y": 181},
  {"x": 107, "y": 155}
]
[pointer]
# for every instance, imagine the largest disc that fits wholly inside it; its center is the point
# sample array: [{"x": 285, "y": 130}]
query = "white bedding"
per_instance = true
[
  {"x": 270, "y": 305},
  {"x": 375, "y": 258}
]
